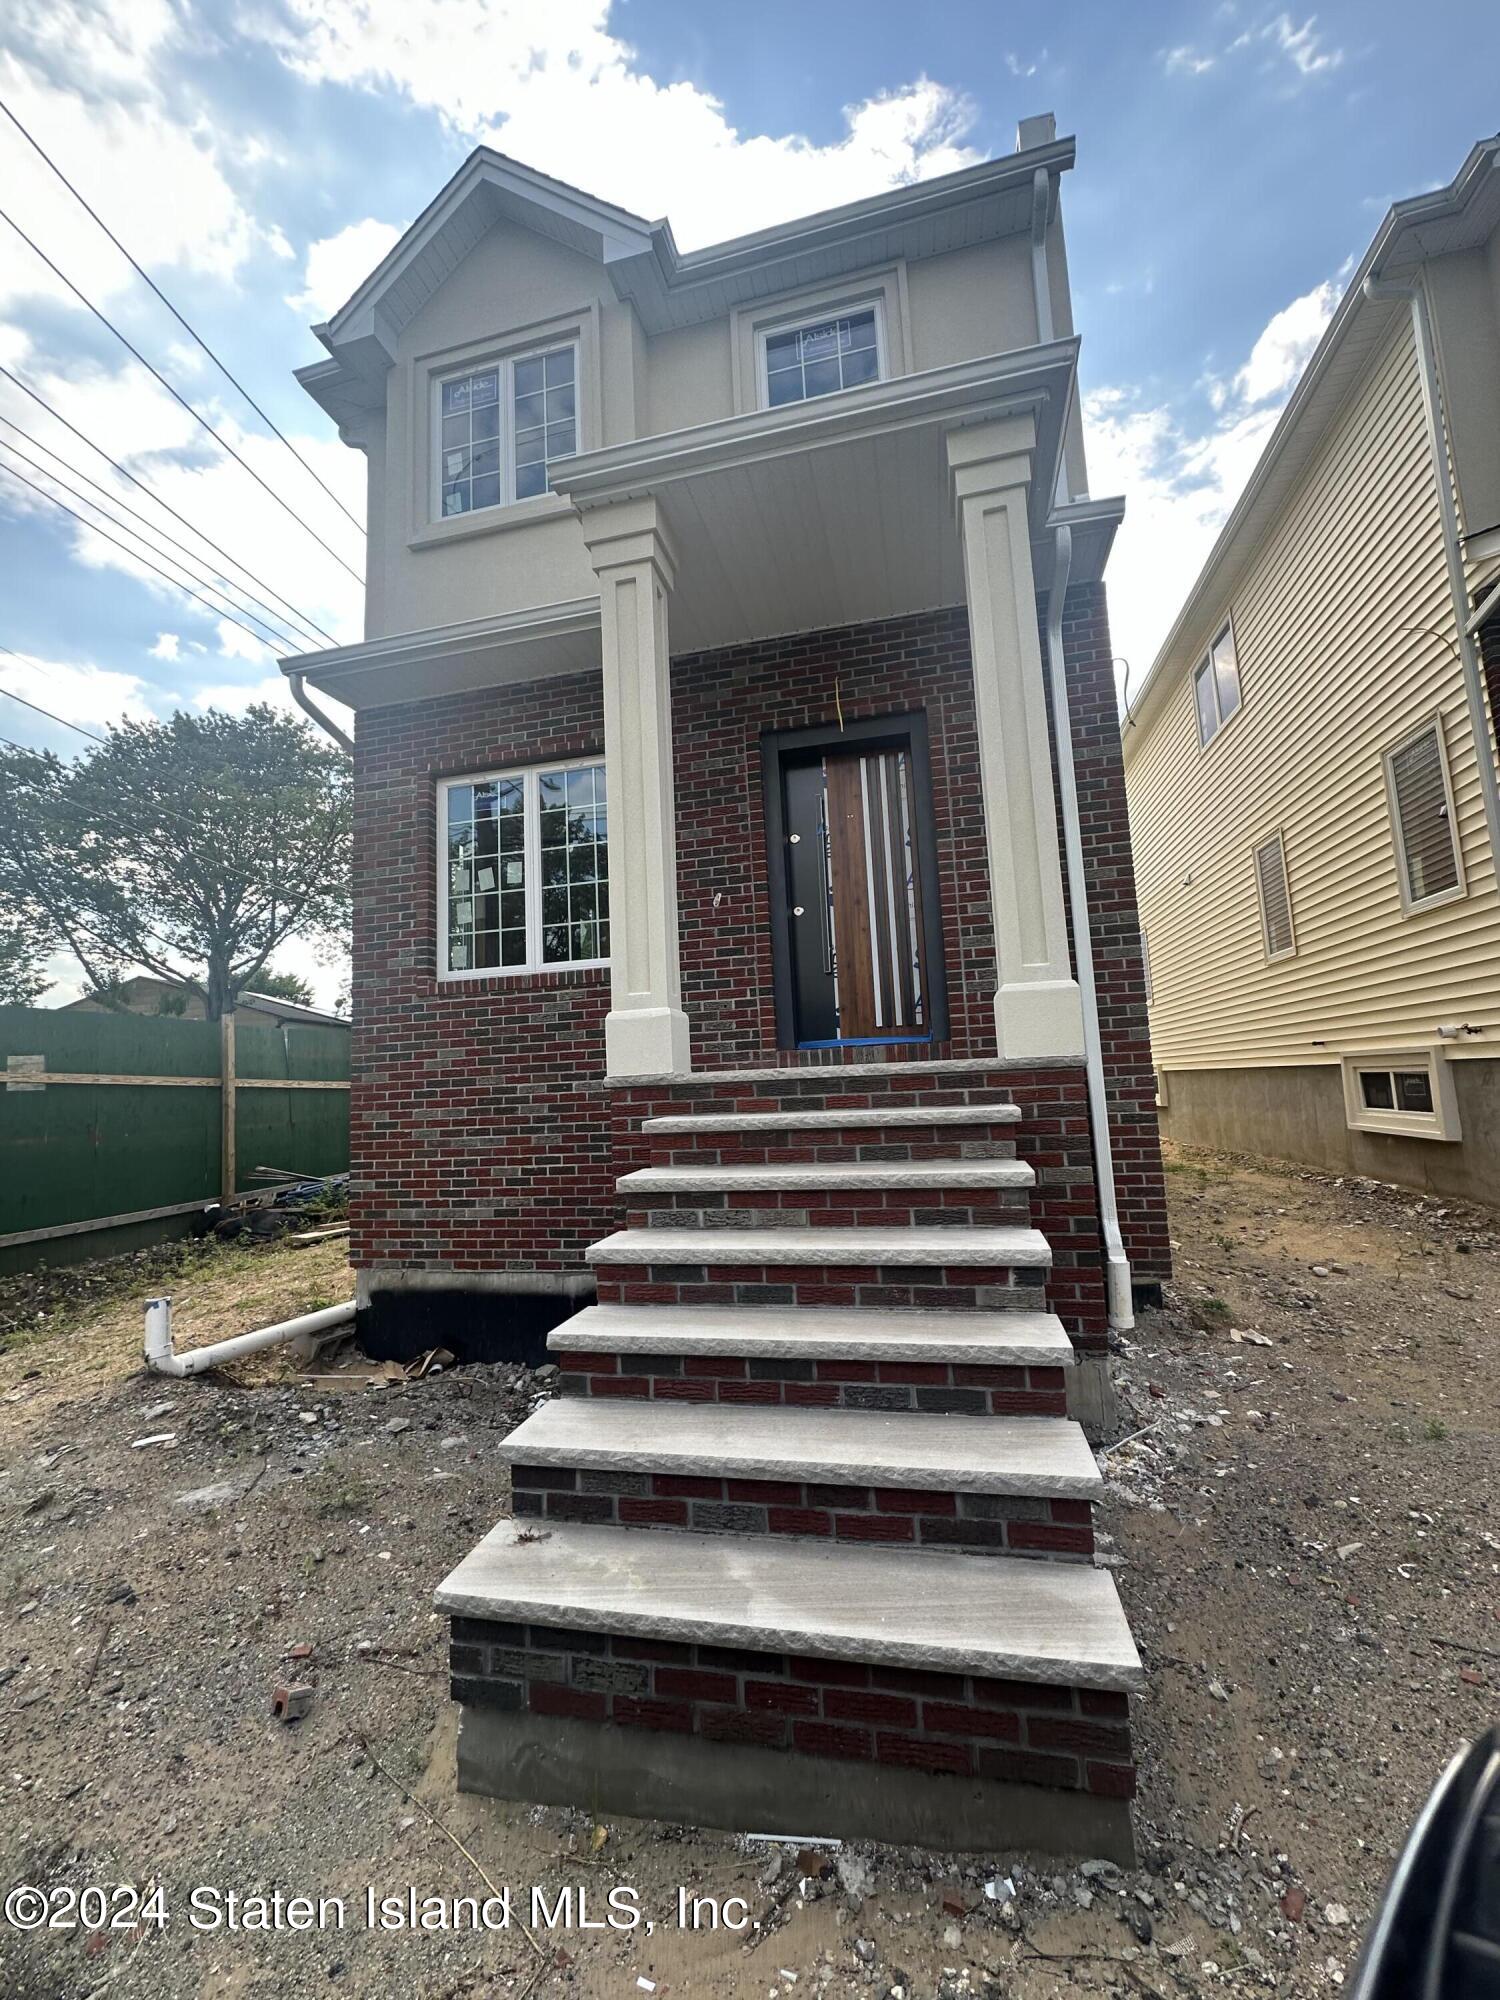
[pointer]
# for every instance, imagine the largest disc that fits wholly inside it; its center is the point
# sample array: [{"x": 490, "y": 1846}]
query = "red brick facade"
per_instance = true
[{"x": 483, "y": 1135}]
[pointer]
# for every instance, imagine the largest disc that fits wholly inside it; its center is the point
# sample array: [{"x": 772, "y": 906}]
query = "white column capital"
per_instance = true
[
  {"x": 646, "y": 1032},
  {"x": 1038, "y": 1009}
]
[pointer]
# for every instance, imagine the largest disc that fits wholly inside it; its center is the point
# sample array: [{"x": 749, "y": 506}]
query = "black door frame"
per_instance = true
[{"x": 883, "y": 732}]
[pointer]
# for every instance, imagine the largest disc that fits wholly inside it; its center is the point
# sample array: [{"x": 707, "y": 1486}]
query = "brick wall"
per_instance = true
[
  {"x": 480, "y": 1128},
  {"x": 1027, "y": 1732}
]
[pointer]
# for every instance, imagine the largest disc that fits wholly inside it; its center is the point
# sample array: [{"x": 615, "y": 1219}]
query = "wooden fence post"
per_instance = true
[{"x": 227, "y": 1169}]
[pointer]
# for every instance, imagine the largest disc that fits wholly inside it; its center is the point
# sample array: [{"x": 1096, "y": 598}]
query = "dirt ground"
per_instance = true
[{"x": 1303, "y": 1511}]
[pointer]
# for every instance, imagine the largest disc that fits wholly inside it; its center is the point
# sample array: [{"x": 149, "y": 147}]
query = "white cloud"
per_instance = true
[
  {"x": 76, "y": 690},
  {"x": 1185, "y": 61},
  {"x": 236, "y": 643},
  {"x": 547, "y": 81},
  {"x": 1180, "y": 482},
  {"x": 1021, "y": 69},
  {"x": 337, "y": 265},
  {"x": 1303, "y": 47},
  {"x": 168, "y": 646}
]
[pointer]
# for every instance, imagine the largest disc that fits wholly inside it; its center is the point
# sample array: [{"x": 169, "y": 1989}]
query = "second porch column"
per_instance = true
[
  {"x": 1038, "y": 1011},
  {"x": 646, "y": 1033}
]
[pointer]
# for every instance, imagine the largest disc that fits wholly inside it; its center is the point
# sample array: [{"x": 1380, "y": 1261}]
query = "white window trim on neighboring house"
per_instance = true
[
  {"x": 1442, "y": 1122},
  {"x": 884, "y": 289},
  {"x": 1411, "y": 905},
  {"x": 532, "y": 886},
  {"x": 1206, "y": 664},
  {"x": 1278, "y": 841}
]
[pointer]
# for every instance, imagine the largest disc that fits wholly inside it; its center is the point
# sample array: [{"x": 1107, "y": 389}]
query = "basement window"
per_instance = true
[
  {"x": 1405, "y": 1092},
  {"x": 1420, "y": 791},
  {"x": 502, "y": 427},
  {"x": 523, "y": 871},
  {"x": 1216, "y": 686}
]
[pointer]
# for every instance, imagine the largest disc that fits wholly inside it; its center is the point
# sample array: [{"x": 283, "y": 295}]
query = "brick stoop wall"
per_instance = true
[
  {"x": 1028, "y": 1732},
  {"x": 483, "y": 1135}
]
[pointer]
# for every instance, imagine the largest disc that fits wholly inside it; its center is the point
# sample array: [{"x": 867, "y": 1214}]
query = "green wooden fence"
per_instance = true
[{"x": 102, "y": 1161}]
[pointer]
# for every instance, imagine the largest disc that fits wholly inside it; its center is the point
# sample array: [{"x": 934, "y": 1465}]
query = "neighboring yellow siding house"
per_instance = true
[{"x": 1317, "y": 880}]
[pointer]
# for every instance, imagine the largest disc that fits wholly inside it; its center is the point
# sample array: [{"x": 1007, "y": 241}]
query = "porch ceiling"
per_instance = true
[{"x": 830, "y": 513}]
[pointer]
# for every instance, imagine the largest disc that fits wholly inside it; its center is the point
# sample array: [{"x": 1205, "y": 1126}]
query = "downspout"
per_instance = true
[
  {"x": 1117, "y": 1264},
  {"x": 308, "y": 706},
  {"x": 197, "y": 1360},
  {"x": 1041, "y": 197},
  {"x": 1432, "y": 409}
]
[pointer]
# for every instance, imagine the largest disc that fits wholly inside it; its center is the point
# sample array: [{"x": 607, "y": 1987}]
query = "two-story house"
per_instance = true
[
  {"x": 747, "y": 989},
  {"x": 1312, "y": 760}
]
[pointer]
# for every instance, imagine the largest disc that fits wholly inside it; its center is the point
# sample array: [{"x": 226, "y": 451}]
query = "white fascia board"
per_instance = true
[
  {"x": 533, "y": 633},
  {"x": 1398, "y": 245}
]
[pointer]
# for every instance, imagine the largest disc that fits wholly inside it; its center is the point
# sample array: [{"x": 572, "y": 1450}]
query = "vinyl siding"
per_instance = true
[{"x": 1335, "y": 668}]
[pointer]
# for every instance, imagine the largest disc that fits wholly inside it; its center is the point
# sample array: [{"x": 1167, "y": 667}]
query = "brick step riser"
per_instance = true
[
  {"x": 901, "y": 1144},
  {"x": 903, "y": 1287},
  {"x": 835, "y": 1208},
  {"x": 902, "y": 1517},
  {"x": 931, "y": 1388},
  {"x": 1037, "y": 1733}
]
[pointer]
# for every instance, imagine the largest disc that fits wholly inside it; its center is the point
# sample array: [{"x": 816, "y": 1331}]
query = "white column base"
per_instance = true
[
  {"x": 1041, "y": 1017},
  {"x": 647, "y": 1041}
]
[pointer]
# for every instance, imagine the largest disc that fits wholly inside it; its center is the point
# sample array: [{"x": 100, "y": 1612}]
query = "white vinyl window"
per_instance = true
[
  {"x": 822, "y": 356},
  {"x": 1420, "y": 792},
  {"x": 523, "y": 871},
  {"x": 501, "y": 427},
  {"x": 1216, "y": 686},
  {"x": 1271, "y": 885},
  {"x": 1406, "y": 1093}
]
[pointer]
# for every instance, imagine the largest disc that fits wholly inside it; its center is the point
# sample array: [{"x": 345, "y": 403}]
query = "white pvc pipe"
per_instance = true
[
  {"x": 159, "y": 1353},
  {"x": 1117, "y": 1264}
]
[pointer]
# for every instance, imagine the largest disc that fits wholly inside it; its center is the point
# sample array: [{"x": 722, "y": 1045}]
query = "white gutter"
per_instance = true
[
  {"x": 1117, "y": 1264},
  {"x": 1437, "y": 445},
  {"x": 197, "y": 1360},
  {"x": 308, "y": 706}
]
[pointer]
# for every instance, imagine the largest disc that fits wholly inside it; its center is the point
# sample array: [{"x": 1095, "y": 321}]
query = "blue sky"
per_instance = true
[{"x": 1233, "y": 161}]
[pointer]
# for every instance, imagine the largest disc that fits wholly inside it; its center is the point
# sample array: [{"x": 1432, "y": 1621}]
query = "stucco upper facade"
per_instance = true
[{"x": 950, "y": 267}]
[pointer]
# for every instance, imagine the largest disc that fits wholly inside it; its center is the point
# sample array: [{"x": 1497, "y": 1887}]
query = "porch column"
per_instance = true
[
  {"x": 646, "y": 1033},
  {"x": 1037, "y": 1007}
]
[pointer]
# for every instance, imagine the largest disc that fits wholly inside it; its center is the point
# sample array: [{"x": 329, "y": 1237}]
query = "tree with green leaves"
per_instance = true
[
  {"x": 285, "y": 986},
  {"x": 22, "y": 951},
  {"x": 191, "y": 848}
]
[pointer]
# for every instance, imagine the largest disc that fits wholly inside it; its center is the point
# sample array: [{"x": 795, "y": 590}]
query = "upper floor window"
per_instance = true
[
  {"x": 1216, "y": 686},
  {"x": 822, "y": 356},
  {"x": 501, "y": 427},
  {"x": 523, "y": 871},
  {"x": 1421, "y": 800}
]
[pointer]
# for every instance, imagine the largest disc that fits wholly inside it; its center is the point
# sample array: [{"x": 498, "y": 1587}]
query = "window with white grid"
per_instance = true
[
  {"x": 502, "y": 427},
  {"x": 523, "y": 871},
  {"x": 822, "y": 357}
]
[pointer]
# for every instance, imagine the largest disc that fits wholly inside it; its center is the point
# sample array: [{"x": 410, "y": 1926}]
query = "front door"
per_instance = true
[{"x": 856, "y": 944}]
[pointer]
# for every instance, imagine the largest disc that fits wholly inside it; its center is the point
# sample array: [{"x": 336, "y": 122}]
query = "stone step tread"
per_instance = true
[
  {"x": 830, "y": 1175},
  {"x": 1006, "y": 1617},
  {"x": 1034, "y": 1457},
  {"x": 819, "y": 1333},
  {"x": 936, "y": 1248},
  {"x": 856, "y": 1118}
]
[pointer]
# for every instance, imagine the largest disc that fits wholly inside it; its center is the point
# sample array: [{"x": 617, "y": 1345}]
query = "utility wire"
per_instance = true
[
  {"x": 11, "y": 695},
  {"x": 176, "y": 395},
  {"x": 186, "y": 327},
  {"x": 94, "y": 528},
  {"x": 278, "y": 637},
  {"x": 301, "y": 618}
]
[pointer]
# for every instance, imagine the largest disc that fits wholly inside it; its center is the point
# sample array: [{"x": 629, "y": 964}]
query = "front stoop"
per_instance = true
[{"x": 807, "y": 1544}]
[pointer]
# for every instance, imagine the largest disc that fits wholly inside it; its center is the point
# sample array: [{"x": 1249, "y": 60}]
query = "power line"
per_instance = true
[
  {"x": 176, "y": 395},
  {"x": 301, "y": 617},
  {"x": 187, "y": 328},
  {"x": 278, "y": 638},
  {"x": 11, "y": 695},
  {"x": 94, "y": 528}
]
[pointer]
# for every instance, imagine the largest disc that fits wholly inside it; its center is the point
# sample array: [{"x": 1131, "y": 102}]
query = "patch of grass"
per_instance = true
[
  {"x": 1211, "y": 1314},
  {"x": 1435, "y": 1430},
  {"x": 337, "y": 1494}
]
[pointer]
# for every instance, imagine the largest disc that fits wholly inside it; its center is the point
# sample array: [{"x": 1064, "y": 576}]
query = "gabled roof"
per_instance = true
[
  {"x": 1460, "y": 216},
  {"x": 667, "y": 287}
]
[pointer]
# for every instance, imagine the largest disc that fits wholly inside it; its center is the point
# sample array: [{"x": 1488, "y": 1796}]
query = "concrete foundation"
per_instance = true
[
  {"x": 742, "y": 1788},
  {"x": 1297, "y": 1113}
]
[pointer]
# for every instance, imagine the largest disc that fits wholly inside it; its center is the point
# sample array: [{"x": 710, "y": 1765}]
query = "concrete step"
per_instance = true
[
  {"x": 819, "y": 1333},
  {"x": 852, "y": 1120},
  {"x": 866, "y": 1176},
  {"x": 1005, "y": 1618},
  {"x": 927, "y": 1249},
  {"x": 1031, "y": 1457}
]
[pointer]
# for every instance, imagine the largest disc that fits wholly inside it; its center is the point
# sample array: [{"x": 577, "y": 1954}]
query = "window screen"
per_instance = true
[
  {"x": 1275, "y": 898},
  {"x": 1424, "y": 826}
]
